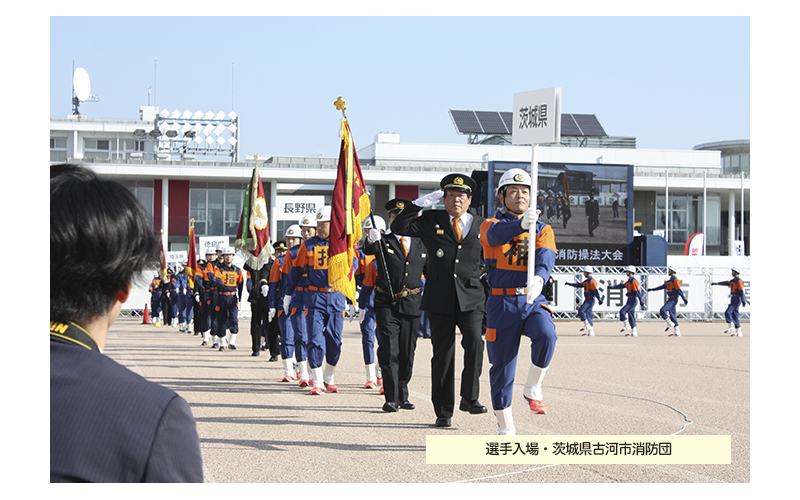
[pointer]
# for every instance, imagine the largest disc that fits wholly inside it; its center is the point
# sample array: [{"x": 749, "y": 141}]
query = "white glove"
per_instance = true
[
  {"x": 429, "y": 199},
  {"x": 529, "y": 218},
  {"x": 264, "y": 290},
  {"x": 535, "y": 288},
  {"x": 286, "y": 301},
  {"x": 373, "y": 235},
  {"x": 361, "y": 318},
  {"x": 197, "y": 298},
  {"x": 271, "y": 315},
  {"x": 353, "y": 311}
]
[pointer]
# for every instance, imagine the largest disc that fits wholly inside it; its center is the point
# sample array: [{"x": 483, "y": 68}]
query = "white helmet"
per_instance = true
[
  {"x": 292, "y": 231},
  {"x": 514, "y": 176},
  {"x": 630, "y": 269},
  {"x": 228, "y": 251},
  {"x": 588, "y": 269},
  {"x": 736, "y": 269},
  {"x": 220, "y": 248},
  {"x": 324, "y": 214},
  {"x": 380, "y": 224},
  {"x": 672, "y": 268},
  {"x": 307, "y": 221}
]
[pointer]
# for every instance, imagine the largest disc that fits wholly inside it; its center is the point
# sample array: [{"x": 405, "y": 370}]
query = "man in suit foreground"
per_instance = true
[
  {"x": 454, "y": 295},
  {"x": 107, "y": 424}
]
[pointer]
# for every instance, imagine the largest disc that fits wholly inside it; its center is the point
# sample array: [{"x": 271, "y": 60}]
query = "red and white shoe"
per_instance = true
[
  {"x": 317, "y": 391},
  {"x": 304, "y": 382},
  {"x": 381, "y": 391},
  {"x": 536, "y": 405},
  {"x": 370, "y": 385},
  {"x": 330, "y": 387},
  {"x": 287, "y": 378}
]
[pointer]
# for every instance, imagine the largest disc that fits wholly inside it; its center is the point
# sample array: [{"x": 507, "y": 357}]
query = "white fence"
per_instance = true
[{"x": 706, "y": 301}]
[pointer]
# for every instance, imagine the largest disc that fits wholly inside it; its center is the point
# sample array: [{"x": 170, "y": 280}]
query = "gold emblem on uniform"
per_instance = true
[
  {"x": 458, "y": 181},
  {"x": 518, "y": 177},
  {"x": 440, "y": 231},
  {"x": 400, "y": 205},
  {"x": 319, "y": 216},
  {"x": 440, "y": 253}
]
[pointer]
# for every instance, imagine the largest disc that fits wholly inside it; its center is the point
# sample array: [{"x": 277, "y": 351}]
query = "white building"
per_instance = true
[{"x": 184, "y": 166}]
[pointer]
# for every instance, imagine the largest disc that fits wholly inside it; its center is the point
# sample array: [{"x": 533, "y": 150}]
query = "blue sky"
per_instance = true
[{"x": 671, "y": 82}]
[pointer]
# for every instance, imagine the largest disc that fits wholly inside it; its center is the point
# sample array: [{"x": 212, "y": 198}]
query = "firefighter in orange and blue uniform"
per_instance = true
[
  {"x": 509, "y": 316},
  {"x": 633, "y": 292},
  {"x": 230, "y": 282},
  {"x": 293, "y": 301},
  {"x": 155, "y": 300},
  {"x": 667, "y": 311},
  {"x": 277, "y": 280},
  {"x": 590, "y": 293},
  {"x": 736, "y": 286},
  {"x": 325, "y": 307}
]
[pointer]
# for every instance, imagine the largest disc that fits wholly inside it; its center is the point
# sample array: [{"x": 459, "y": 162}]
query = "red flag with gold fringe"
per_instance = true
[
  {"x": 191, "y": 261},
  {"x": 349, "y": 207}
]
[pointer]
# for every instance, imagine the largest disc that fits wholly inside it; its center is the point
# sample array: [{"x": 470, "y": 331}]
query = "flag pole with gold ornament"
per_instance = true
[
  {"x": 349, "y": 207},
  {"x": 162, "y": 271},
  {"x": 252, "y": 239},
  {"x": 191, "y": 260}
]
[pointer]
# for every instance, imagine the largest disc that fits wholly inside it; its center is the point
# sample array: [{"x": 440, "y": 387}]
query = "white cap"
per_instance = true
[
  {"x": 380, "y": 224},
  {"x": 514, "y": 176},
  {"x": 307, "y": 221},
  {"x": 588, "y": 269},
  {"x": 672, "y": 268},
  {"x": 220, "y": 248},
  {"x": 324, "y": 214},
  {"x": 228, "y": 251},
  {"x": 292, "y": 231},
  {"x": 210, "y": 251},
  {"x": 631, "y": 269},
  {"x": 736, "y": 269}
]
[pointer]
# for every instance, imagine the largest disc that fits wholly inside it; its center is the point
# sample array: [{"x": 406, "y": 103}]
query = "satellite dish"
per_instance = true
[{"x": 81, "y": 84}]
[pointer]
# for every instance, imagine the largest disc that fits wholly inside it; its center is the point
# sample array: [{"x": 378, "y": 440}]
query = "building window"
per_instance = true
[
  {"x": 99, "y": 149},
  {"x": 58, "y": 149},
  {"x": 144, "y": 192},
  {"x": 736, "y": 164},
  {"x": 128, "y": 147},
  {"x": 686, "y": 217},
  {"x": 216, "y": 207}
]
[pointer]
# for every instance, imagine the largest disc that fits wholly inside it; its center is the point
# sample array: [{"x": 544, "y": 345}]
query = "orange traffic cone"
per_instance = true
[{"x": 146, "y": 316}]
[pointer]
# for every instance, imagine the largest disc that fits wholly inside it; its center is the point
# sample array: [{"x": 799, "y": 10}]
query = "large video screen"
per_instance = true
[{"x": 590, "y": 208}]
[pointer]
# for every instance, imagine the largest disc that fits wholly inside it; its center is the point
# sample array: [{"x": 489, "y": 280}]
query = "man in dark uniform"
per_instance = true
[
  {"x": 107, "y": 424},
  {"x": 257, "y": 289},
  {"x": 454, "y": 295},
  {"x": 592, "y": 213},
  {"x": 396, "y": 306}
]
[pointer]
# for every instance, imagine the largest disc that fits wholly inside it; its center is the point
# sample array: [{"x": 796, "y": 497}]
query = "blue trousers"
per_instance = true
[
  {"x": 508, "y": 318},
  {"x": 368, "y": 335},
  {"x": 668, "y": 310},
  {"x": 732, "y": 312},
  {"x": 628, "y": 311},
  {"x": 324, "y": 323},
  {"x": 227, "y": 314},
  {"x": 297, "y": 319},
  {"x": 287, "y": 335},
  {"x": 585, "y": 311}
]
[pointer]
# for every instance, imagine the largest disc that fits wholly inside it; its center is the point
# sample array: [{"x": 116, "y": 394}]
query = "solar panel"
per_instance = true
[
  {"x": 466, "y": 122},
  {"x": 500, "y": 123},
  {"x": 492, "y": 123},
  {"x": 508, "y": 119},
  {"x": 568, "y": 126},
  {"x": 589, "y": 126}
]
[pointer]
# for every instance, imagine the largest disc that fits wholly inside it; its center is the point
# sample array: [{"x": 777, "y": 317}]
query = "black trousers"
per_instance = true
[
  {"x": 398, "y": 341},
  {"x": 260, "y": 327},
  {"x": 443, "y": 340}
]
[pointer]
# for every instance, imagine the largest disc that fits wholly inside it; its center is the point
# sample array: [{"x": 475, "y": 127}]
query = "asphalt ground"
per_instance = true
[{"x": 256, "y": 429}]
